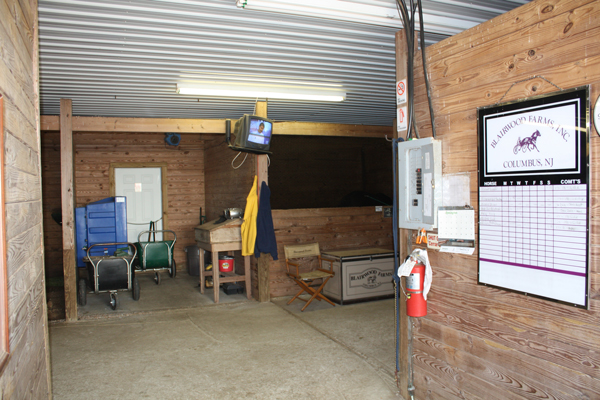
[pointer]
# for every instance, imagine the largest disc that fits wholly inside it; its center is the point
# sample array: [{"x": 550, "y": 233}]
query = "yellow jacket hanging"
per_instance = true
[{"x": 249, "y": 224}]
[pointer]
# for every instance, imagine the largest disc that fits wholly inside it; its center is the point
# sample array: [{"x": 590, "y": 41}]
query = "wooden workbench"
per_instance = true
[{"x": 218, "y": 237}]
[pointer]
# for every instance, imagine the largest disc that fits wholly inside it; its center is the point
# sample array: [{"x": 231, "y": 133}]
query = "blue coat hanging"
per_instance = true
[{"x": 265, "y": 233}]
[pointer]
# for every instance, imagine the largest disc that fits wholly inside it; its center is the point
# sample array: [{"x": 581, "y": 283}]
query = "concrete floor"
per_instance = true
[{"x": 175, "y": 343}]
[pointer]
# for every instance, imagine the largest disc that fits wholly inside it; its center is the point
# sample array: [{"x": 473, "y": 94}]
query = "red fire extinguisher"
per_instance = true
[{"x": 416, "y": 305}]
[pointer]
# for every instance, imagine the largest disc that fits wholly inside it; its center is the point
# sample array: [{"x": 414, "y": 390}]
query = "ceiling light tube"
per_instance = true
[{"x": 269, "y": 92}]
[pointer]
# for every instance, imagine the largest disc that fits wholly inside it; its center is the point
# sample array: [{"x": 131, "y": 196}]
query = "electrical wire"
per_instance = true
[
  {"x": 408, "y": 32},
  {"x": 427, "y": 87},
  {"x": 396, "y": 251},
  {"x": 235, "y": 158},
  {"x": 408, "y": 21},
  {"x": 179, "y": 148},
  {"x": 143, "y": 223},
  {"x": 407, "y": 15},
  {"x": 216, "y": 145}
]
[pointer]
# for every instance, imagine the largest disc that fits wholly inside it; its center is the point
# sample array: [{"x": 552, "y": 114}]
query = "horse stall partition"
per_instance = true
[
  {"x": 310, "y": 177},
  {"x": 332, "y": 228}
]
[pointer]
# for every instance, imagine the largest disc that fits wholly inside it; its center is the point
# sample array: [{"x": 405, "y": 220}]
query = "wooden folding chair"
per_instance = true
[{"x": 305, "y": 280}]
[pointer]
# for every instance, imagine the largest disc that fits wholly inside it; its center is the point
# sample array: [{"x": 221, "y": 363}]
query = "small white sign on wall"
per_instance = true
[
  {"x": 402, "y": 119},
  {"x": 456, "y": 224},
  {"x": 432, "y": 241},
  {"x": 401, "y": 92},
  {"x": 457, "y": 190}
]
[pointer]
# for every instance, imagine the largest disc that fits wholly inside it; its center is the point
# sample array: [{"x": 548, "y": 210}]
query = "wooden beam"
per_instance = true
[
  {"x": 208, "y": 126},
  {"x": 327, "y": 129},
  {"x": 4, "y": 320},
  {"x": 403, "y": 240},
  {"x": 36, "y": 84},
  {"x": 112, "y": 124},
  {"x": 68, "y": 208},
  {"x": 262, "y": 171}
]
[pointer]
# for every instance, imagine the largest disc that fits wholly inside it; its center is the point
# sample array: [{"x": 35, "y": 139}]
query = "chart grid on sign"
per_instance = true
[
  {"x": 535, "y": 226},
  {"x": 534, "y": 196}
]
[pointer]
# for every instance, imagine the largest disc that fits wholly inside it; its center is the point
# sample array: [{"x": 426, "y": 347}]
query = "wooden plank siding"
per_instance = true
[
  {"x": 67, "y": 183},
  {"x": 200, "y": 175},
  {"x": 95, "y": 151},
  {"x": 228, "y": 187},
  {"x": 26, "y": 374},
  {"x": 210, "y": 126},
  {"x": 478, "y": 341},
  {"x": 332, "y": 228}
]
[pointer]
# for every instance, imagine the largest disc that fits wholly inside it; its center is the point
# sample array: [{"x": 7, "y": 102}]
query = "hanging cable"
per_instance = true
[
  {"x": 427, "y": 87},
  {"x": 407, "y": 15},
  {"x": 396, "y": 251},
  {"x": 408, "y": 32},
  {"x": 235, "y": 158}
]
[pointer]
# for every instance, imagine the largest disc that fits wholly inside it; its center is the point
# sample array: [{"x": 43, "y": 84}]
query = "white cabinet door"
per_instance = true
[{"x": 143, "y": 189}]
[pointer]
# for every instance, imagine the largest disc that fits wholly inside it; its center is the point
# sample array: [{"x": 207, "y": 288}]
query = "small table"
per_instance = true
[{"x": 216, "y": 237}]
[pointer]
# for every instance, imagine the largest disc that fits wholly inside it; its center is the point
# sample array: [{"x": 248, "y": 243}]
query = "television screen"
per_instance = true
[
  {"x": 252, "y": 134},
  {"x": 259, "y": 131}
]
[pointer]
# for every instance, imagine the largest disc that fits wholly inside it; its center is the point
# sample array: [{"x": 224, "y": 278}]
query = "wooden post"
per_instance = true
[
  {"x": 68, "y": 209},
  {"x": 262, "y": 169},
  {"x": 401, "y": 73},
  {"x": 264, "y": 261}
]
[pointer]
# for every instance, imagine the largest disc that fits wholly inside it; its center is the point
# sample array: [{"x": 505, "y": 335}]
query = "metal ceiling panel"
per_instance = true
[{"x": 124, "y": 59}]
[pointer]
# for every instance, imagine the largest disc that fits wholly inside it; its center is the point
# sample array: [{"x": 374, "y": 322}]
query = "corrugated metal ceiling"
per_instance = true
[{"x": 117, "y": 58}]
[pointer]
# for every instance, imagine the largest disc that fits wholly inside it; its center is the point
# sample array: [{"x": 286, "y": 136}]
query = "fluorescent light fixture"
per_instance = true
[
  {"x": 372, "y": 12},
  {"x": 267, "y": 91}
]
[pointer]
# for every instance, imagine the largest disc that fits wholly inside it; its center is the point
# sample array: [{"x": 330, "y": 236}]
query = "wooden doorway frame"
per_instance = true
[{"x": 163, "y": 178}]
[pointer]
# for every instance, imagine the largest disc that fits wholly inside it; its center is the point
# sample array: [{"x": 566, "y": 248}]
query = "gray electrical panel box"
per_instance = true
[{"x": 419, "y": 183}]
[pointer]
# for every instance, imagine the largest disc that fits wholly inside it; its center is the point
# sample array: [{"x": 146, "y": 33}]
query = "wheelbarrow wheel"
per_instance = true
[
  {"x": 82, "y": 293},
  {"x": 136, "y": 288},
  {"x": 136, "y": 264},
  {"x": 173, "y": 270},
  {"x": 114, "y": 301},
  {"x": 157, "y": 278}
]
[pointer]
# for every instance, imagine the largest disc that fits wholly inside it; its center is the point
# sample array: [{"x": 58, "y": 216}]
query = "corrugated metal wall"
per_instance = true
[{"x": 116, "y": 58}]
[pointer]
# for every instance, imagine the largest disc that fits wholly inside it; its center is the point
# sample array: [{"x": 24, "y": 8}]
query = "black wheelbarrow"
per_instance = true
[
  {"x": 110, "y": 274},
  {"x": 156, "y": 255}
]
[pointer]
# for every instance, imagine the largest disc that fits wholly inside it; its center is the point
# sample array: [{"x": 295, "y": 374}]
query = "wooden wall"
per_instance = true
[
  {"x": 95, "y": 151},
  {"x": 27, "y": 374},
  {"x": 53, "y": 254},
  {"x": 477, "y": 341},
  {"x": 332, "y": 228},
  {"x": 226, "y": 187}
]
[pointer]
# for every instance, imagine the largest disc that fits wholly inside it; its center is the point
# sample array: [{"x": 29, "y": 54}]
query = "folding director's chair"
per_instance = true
[{"x": 308, "y": 252}]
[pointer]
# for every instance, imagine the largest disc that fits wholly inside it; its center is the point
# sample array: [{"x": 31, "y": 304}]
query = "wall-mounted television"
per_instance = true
[{"x": 252, "y": 134}]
